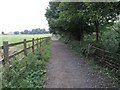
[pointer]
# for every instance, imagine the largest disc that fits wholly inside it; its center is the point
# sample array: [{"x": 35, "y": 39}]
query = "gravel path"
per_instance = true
[{"x": 66, "y": 70}]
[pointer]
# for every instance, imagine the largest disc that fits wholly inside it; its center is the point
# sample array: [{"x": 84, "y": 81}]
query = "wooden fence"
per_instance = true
[
  {"x": 106, "y": 58},
  {"x": 35, "y": 42}
]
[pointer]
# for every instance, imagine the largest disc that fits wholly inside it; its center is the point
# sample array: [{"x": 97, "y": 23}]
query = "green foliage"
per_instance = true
[
  {"x": 82, "y": 49},
  {"x": 33, "y": 31},
  {"x": 79, "y": 18},
  {"x": 28, "y": 72},
  {"x": 86, "y": 22},
  {"x": 109, "y": 41},
  {"x": 116, "y": 28}
]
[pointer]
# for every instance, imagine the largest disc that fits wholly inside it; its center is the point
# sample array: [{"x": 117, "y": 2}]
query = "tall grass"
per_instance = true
[{"x": 28, "y": 72}]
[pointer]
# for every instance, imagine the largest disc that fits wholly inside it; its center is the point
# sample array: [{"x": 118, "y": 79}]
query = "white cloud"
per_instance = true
[{"x": 18, "y": 15}]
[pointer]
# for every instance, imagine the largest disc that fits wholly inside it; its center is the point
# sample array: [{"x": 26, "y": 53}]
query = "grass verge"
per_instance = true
[{"x": 28, "y": 72}]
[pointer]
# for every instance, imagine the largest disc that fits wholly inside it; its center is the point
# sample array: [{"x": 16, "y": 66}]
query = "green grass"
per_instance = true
[
  {"x": 18, "y": 38},
  {"x": 29, "y": 72}
]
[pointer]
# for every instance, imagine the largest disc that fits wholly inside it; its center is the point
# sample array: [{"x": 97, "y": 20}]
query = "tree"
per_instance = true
[
  {"x": 79, "y": 17},
  {"x": 16, "y": 32},
  {"x": 100, "y": 14},
  {"x": 35, "y": 31},
  {"x": 26, "y": 32},
  {"x": 3, "y": 33}
]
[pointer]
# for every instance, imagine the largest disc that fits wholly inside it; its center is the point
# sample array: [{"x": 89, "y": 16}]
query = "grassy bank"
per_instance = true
[{"x": 28, "y": 72}]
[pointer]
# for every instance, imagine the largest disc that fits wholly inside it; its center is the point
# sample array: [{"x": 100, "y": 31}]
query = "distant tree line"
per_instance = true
[{"x": 33, "y": 31}]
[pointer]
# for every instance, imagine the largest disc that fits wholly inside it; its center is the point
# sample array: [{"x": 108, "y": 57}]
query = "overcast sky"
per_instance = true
[{"x": 18, "y": 15}]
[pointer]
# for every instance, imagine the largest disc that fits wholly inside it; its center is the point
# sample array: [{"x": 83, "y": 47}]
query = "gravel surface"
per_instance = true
[{"x": 66, "y": 70}]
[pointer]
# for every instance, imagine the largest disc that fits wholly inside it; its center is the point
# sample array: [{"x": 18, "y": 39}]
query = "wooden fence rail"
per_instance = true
[
  {"x": 35, "y": 42},
  {"x": 106, "y": 58}
]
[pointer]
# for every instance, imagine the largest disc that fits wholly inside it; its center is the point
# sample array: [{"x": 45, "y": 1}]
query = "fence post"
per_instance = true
[
  {"x": 5, "y": 51},
  {"x": 37, "y": 42},
  {"x": 46, "y": 39},
  {"x": 88, "y": 50},
  {"x": 40, "y": 44},
  {"x": 33, "y": 45},
  {"x": 25, "y": 47}
]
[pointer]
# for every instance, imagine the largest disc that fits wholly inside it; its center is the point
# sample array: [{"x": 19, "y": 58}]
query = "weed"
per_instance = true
[{"x": 28, "y": 72}]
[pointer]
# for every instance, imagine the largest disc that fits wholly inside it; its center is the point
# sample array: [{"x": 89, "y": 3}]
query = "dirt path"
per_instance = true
[{"x": 66, "y": 70}]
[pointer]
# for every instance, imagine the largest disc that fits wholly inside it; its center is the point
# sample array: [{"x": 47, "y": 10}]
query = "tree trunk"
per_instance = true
[{"x": 97, "y": 31}]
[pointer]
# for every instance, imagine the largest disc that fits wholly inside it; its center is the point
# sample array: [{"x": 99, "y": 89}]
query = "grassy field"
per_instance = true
[{"x": 17, "y": 38}]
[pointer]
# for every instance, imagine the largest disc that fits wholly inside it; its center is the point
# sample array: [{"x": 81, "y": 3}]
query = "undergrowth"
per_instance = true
[{"x": 28, "y": 72}]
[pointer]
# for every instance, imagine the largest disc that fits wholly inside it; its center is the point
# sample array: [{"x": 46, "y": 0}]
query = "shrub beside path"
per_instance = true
[{"x": 67, "y": 70}]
